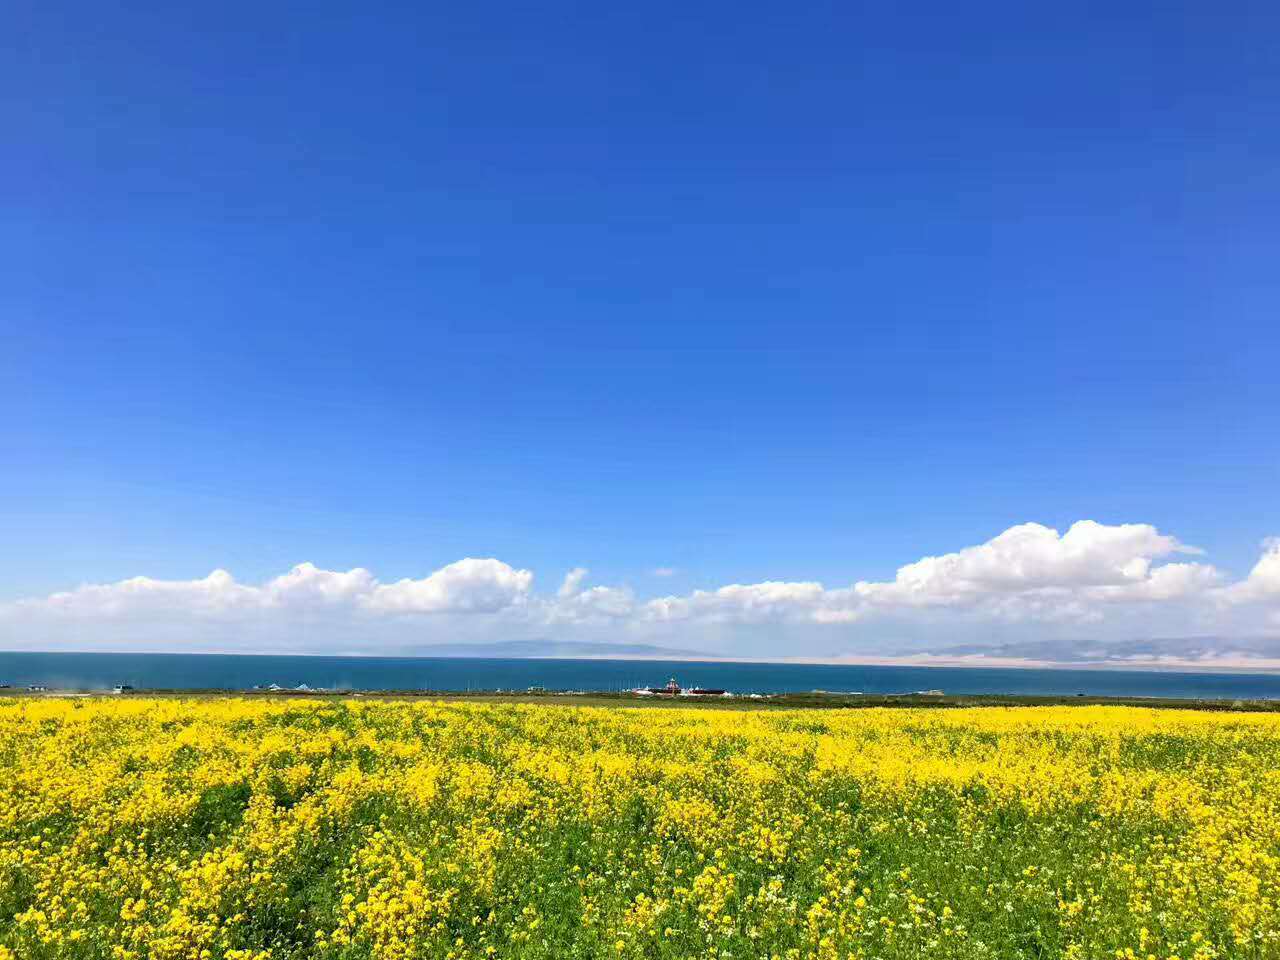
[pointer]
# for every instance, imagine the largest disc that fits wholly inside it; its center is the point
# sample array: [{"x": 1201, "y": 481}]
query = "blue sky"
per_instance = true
[{"x": 752, "y": 293}]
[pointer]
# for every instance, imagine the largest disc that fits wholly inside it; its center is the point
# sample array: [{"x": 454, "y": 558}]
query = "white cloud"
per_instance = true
[
  {"x": 590, "y": 605},
  {"x": 758, "y": 601},
  {"x": 1029, "y": 572},
  {"x": 1263, "y": 582},
  {"x": 574, "y": 603},
  {"x": 308, "y": 584},
  {"x": 1029, "y": 558},
  {"x": 1172, "y": 581},
  {"x": 1101, "y": 580},
  {"x": 572, "y": 584},
  {"x": 216, "y": 594},
  {"x": 663, "y": 572},
  {"x": 467, "y": 586}
]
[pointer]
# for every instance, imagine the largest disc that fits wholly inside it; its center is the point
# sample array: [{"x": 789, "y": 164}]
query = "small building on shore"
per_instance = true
[{"x": 673, "y": 689}]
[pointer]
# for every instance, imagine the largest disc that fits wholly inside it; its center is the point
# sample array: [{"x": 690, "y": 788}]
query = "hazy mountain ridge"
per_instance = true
[
  {"x": 1208, "y": 649},
  {"x": 563, "y": 649}
]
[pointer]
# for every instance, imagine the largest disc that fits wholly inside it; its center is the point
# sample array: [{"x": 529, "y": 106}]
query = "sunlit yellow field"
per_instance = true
[{"x": 252, "y": 829}]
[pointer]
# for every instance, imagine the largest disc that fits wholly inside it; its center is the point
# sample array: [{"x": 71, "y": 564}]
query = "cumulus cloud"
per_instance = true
[
  {"x": 1263, "y": 582},
  {"x": 576, "y": 603},
  {"x": 1171, "y": 581},
  {"x": 1029, "y": 558},
  {"x": 468, "y": 586},
  {"x": 591, "y": 605},
  {"x": 216, "y": 594},
  {"x": 308, "y": 584},
  {"x": 1095, "y": 576},
  {"x": 770, "y": 600},
  {"x": 1028, "y": 572},
  {"x": 572, "y": 583}
]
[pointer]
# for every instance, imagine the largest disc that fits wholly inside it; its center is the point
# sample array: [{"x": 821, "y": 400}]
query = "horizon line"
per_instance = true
[{"x": 1251, "y": 666}]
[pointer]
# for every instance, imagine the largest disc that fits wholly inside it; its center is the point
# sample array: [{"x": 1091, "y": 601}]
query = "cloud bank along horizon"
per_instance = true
[{"x": 1097, "y": 592}]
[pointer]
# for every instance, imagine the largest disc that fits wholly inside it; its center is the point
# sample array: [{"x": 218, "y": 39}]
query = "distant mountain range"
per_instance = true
[
  {"x": 561, "y": 649},
  {"x": 1208, "y": 651},
  {"x": 1195, "y": 653}
]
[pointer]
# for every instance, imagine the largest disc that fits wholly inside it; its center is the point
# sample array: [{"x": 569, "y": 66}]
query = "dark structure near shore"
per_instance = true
[{"x": 673, "y": 689}]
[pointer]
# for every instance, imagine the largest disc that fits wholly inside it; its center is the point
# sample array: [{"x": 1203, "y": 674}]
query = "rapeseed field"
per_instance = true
[{"x": 341, "y": 829}]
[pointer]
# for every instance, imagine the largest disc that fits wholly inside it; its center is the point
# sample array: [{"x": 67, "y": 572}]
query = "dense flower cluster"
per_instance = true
[{"x": 341, "y": 829}]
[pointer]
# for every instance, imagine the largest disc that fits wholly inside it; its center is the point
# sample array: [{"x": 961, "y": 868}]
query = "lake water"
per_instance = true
[{"x": 198, "y": 671}]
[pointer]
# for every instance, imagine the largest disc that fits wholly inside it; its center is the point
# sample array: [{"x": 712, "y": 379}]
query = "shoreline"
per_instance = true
[
  {"x": 817, "y": 699},
  {"x": 1263, "y": 667}
]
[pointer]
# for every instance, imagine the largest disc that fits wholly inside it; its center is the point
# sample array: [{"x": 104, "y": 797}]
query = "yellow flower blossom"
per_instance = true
[{"x": 238, "y": 829}]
